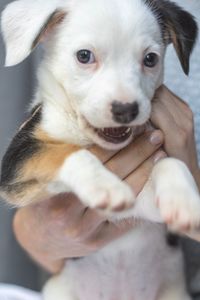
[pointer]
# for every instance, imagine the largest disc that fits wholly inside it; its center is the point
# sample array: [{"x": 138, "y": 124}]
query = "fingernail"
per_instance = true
[
  {"x": 159, "y": 156},
  {"x": 156, "y": 138}
]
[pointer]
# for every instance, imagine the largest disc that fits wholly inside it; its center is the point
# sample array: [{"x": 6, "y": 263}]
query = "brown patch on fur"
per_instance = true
[
  {"x": 44, "y": 137},
  {"x": 24, "y": 193},
  {"x": 31, "y": 180},
  {"x": 45, "y": 164},
  {"x": 56, "y": 18}
]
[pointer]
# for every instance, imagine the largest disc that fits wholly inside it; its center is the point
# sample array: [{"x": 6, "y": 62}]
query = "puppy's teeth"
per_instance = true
[{"x": 128, "y": 130}]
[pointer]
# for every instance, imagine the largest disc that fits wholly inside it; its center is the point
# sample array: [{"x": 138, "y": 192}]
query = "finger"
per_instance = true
[
  {"x": 128, "y": 159},
  {"x": 176, "y": 124},
  {"x": 161, "y": 115},
  {"x": 163, "y": 119},
  {"x": 140, "y": 176},
  {"x": 172, "y": 102},
  {"x": 166, "y": 95},
  {"x": 102, "y": 154},
  {"x": 168, "y": 109}
]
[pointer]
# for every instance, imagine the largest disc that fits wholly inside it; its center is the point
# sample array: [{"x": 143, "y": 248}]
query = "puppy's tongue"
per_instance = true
[{"x": 115, "y": 135}]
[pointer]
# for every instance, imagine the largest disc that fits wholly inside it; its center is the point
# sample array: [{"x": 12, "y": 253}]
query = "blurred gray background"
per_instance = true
[{"x": 16, "y": 89}]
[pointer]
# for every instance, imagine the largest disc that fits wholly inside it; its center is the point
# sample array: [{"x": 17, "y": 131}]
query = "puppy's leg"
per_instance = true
[
  {"x": 54, "y": 170},
  {"x": 94, "y": 184},
  {"x": 170, "y": 196},
  {"x": 176, "y": 195}
]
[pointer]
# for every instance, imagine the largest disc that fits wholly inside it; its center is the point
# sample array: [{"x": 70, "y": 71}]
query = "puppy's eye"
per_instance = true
[
  {"x": 85, "y": 56},
  {"x": 151, "y": 60}
]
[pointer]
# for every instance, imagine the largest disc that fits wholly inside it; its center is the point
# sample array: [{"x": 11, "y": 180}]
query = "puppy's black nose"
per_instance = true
[{"x": 124, "y": 113}]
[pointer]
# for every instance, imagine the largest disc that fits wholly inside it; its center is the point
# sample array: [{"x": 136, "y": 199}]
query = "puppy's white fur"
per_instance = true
[
  {"x": 117, "y": 76},
  {"x": 76, "y": 100},
  {"x": 21, "y": 15}
]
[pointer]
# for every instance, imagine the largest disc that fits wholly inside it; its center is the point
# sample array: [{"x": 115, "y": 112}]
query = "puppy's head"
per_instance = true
[{"x": 107, "y": 55}]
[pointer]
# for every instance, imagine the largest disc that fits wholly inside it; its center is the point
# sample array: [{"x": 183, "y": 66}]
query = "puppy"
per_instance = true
[{"x": 103, "y": 62}]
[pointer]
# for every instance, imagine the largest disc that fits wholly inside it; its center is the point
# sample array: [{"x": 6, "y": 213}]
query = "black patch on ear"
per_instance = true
[
  {"x": 178, "y": 27},
  {"x": 23, "y": 146}
]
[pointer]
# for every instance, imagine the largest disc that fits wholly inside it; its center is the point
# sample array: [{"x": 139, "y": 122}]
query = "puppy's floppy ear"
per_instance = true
[
  {"x": 25, "y": 23},
  {"x": 179, "y": 28},
  {"x": 182, "y": 30}
]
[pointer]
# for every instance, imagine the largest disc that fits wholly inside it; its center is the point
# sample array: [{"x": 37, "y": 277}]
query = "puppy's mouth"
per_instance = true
[
  {"x": 113, "y": 138},
  {"x": 115, "y": 135}
]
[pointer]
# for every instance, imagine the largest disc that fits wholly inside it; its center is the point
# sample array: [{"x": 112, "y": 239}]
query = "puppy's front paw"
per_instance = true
[
  {"x": 179, "y": 208},
  {"x": 96, "y": 186},
  {"x": 108, "y": 193},
  {"x": 177, "y": 196}
]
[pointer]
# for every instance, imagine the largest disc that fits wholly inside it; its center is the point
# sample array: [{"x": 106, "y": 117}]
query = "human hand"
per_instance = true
[
  {"x": 175, "y": 118},
  {"x": 62, "y": 227}
]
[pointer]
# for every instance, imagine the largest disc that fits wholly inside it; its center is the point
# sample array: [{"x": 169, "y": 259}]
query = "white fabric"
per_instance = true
[{"x": 12, "y": 292}]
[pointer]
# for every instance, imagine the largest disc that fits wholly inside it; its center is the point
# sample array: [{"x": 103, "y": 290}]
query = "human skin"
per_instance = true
[{"x": 61, "y": 227}]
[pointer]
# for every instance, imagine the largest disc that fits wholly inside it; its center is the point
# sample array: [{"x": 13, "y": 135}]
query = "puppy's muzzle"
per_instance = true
[{"x": 124, "y": 113}]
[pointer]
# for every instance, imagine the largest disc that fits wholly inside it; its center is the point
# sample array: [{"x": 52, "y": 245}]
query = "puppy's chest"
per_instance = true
[{"x": 127, "y": 269}]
